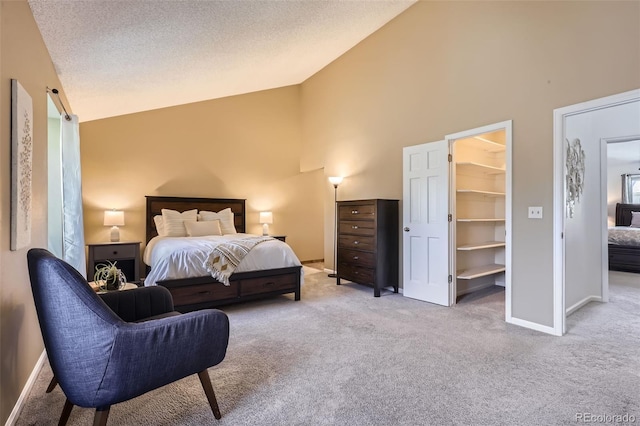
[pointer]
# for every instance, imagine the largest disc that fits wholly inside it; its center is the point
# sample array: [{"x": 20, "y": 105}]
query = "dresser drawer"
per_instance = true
[
  {"x": 267, "y": 284},
  {"x": 357, "y": 242},
  {"x": 203, "y": 293},
  {"x": 356, "y": 274},
  {"x": 357, "y": 227},
  {"x": 357, "y": 212},
  {"x": 357, "y": 258},
  {"x": 115, "y": 252}
]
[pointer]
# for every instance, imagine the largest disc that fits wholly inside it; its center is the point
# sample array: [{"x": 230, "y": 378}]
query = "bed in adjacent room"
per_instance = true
[
  {"x": 195, "y": 268},
  {"x": 624, "y": 239}
]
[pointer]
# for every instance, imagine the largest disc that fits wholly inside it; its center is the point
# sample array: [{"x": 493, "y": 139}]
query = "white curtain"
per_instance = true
[{"x": 73, "y": 227}]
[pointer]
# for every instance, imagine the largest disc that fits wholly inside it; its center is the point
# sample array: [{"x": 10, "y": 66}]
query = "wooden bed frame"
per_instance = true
[
  {"x": 624, "y": 258},
  {"x": 205, "y": 292}
]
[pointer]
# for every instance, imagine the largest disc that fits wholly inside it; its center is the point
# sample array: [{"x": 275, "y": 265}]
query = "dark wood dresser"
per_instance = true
[{"x": 368, "y": 234}]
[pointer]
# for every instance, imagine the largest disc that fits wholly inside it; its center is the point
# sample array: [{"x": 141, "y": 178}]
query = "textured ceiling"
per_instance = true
[{"x": 120, "y": 57}]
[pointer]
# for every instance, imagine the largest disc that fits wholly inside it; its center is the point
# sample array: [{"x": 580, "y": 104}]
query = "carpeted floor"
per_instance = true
[{"x": 342, "y": 357}]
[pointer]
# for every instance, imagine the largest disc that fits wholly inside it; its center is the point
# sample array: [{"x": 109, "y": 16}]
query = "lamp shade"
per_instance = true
[
  {"x": 335, "y": 180},
  {"x": 113, "y": 218},
  {"x": 266, "y": 217}
]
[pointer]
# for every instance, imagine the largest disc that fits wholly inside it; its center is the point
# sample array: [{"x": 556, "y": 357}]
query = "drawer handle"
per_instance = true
[
  {"x": 354, "y": 226},
  {"x": 356, "y": 242},
  {"x": 354, "y": 211},
  {"x": 356, "y": 272},
  {"x": 204, "y": 292},
  {"x": 115, "y": 252},
  {"x": 268, "y": 284},
  {"x": 356, "y": 257}
]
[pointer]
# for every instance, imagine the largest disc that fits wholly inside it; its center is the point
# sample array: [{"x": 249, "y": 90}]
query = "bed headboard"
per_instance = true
[
  {"x": 156, "y": 204},
  {"x": 623, "y": 213}
]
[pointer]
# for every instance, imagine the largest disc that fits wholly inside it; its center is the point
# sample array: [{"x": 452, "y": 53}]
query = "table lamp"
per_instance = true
[
  {"x": 266, "y": 218},
  {"x": 114, "y": 218}
]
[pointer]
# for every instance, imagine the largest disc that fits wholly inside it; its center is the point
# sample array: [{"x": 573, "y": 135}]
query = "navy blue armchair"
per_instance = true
[{"x": 100, "y": 357}]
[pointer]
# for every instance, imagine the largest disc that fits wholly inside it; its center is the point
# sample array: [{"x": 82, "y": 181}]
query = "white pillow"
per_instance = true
[
  {"x": 201, "y": 229},
  {"x": 224, "y": 216},
  {"x": 157, "y": 219},
  {"x": 635, "y": 220},
  {"x": 173, "y": 221}
]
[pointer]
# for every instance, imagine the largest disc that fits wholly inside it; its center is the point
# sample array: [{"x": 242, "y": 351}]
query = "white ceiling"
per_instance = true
[{"x": 120, "y": 57}]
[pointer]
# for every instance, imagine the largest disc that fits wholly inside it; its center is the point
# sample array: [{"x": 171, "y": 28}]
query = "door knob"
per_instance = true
[{"x": 406, "y": 229}]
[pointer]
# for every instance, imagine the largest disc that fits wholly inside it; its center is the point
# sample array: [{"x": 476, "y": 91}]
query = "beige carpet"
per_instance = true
[{"x": 342, "y": 357}]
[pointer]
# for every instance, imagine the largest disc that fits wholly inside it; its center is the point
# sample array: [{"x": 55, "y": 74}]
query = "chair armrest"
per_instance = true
[
  {"x": 140, "y": 303},
  {"x": 151, "y": 354}
]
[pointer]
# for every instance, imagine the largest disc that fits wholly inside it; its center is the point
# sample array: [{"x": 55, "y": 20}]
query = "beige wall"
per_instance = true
[
  {"x": 445, "y": 67},
  {"x": 440, "y": 67},
  {"x": 23, "y": 56},
  {"x": 244, "y": 146}
]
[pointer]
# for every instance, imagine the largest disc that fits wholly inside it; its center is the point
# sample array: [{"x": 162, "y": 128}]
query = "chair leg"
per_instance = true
[
  {"x": 66, "y": 412},
  {"x": 101, "y": 416},
  {"x": 208, "y": 390},
  {"x": 52, "y": 384}
]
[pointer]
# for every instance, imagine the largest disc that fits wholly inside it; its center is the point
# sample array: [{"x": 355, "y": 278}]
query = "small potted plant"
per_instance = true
[{"x": 108, "y": 277}]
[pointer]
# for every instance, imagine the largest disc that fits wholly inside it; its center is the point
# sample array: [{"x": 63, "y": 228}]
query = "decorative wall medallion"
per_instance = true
[{"x": 575, "y": 175}]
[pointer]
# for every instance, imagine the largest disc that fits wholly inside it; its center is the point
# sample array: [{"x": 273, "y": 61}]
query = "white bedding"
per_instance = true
[
  {"x": 184, "y": 257},
  {"x": 624, "y": 236}
]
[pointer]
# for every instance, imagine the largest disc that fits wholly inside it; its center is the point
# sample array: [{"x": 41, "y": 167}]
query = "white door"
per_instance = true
[{"x": 425, "y": 222}]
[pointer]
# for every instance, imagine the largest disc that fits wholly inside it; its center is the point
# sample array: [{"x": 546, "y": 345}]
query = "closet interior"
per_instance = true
[{"x": 479, "y": 173}]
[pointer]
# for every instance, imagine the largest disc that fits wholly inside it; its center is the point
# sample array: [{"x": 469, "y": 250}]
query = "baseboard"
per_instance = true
[
  {"x": 17, "y": 409},
  {"x": 583, "y": 302},
  {"x": 305, "y": 262},
  {"x": 532, "y": 325}
]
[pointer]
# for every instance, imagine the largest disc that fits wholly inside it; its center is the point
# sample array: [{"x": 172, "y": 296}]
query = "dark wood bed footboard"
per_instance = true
[
  {"x": 624, "y": 258},
  {"x": 205, "y": 292}
]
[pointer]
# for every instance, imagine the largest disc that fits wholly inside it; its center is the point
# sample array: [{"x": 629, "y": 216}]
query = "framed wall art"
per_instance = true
[{"x": 21, "y": 165}]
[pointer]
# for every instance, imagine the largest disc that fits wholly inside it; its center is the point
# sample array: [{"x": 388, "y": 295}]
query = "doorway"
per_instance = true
[
  {"x": 580, "y": 257},
  {"x": 457, "y": 215}
]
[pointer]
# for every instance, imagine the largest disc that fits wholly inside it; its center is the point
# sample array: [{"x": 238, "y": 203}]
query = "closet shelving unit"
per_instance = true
[{"x": 480, "y": 212}]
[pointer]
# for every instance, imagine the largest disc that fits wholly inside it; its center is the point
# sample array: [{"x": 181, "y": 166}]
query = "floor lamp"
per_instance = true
[{"x": 335, "y": 180}]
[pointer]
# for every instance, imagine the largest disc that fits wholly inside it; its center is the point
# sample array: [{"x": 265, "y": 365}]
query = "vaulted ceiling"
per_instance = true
[{"x": 121, "y": 57}]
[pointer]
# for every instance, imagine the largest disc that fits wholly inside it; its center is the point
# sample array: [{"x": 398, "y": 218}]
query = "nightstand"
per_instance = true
[
  {"x": 126, "y": 254},
  {"x": 279, "y": 237}
]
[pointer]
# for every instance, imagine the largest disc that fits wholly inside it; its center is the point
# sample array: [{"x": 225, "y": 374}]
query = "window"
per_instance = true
[{"x": 631, "y": 189}]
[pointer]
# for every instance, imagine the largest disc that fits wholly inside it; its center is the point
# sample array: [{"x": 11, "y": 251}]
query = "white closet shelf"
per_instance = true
[
  {"x": 481, "y": 246},
  {"x": 485, "y": 193},
  {"x": 480, "y": 168},
  {"x": 480, "y": 271},
  {"x": 462, "y": 219},
  {"x": 492, "y": 146}
]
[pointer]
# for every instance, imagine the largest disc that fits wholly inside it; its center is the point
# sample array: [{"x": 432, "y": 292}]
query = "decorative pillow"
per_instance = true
[
  {"x": 635, "y": 220},
  {"x": 173, "y": 221},
  {"x": 157, "y": 219},
  {"x": 224, "y": 216},
  {"x": 201, "y": 229}
]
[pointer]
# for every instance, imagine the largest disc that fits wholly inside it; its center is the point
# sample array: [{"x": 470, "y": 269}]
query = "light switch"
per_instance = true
[{"x": 535, "y": 212}]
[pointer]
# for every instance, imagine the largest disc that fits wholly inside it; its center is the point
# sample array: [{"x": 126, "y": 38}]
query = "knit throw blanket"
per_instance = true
[{"x": 225, "y": 258}]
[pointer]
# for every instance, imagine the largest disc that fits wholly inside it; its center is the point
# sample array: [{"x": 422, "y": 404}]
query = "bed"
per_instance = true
[
  {"x": 624, "y": 241},
  {"x": 204, "y": 291}
]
